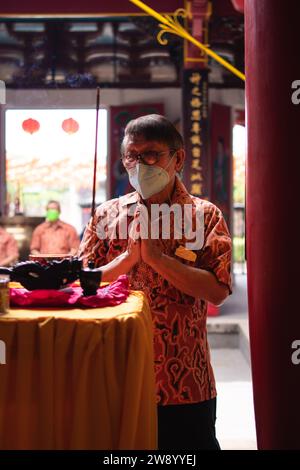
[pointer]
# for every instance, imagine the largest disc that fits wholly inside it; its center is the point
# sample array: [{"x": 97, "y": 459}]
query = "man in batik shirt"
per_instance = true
[{"x": 177, "y": 280}]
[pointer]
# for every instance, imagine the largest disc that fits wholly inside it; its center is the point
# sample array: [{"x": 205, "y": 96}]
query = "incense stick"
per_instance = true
[{"x": 95, "y": 156}]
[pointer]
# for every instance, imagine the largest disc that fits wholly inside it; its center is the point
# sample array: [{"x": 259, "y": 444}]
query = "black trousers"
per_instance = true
[{"x": 188, "y": 427}]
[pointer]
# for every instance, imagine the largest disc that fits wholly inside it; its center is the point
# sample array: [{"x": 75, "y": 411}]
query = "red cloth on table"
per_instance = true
[{"x": 112, "y": 294}]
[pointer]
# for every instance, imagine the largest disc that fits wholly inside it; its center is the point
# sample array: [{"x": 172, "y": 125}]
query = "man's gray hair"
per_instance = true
[{"x": 154, "y": 127}]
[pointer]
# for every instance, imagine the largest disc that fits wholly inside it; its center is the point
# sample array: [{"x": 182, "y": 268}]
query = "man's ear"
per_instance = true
[{"x": 180, "y": 157}]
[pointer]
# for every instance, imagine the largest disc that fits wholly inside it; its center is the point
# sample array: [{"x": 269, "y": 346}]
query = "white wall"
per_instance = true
[
  {"x": 234, "y": 97},
  {"x": 170, "y": 97}
]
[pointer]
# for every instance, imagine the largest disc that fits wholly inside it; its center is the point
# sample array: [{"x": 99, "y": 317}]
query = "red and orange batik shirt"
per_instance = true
[
  {"x": 182, "y": 358},
  {"x": 54, "y": 238}
]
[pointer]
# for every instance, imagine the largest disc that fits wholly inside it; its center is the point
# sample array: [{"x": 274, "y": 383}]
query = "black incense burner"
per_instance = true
[{"x": 56, "y": 274}]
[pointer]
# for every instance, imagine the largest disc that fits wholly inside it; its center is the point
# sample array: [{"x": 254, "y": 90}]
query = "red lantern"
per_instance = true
[
  {"x": 239, "y": 5},
  {"x": 31, "y": 126},
  {"x": 70, "y": 126}
]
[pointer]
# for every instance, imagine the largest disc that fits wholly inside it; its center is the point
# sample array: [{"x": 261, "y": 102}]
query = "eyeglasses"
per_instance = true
[{"x": 149, "y": 157}]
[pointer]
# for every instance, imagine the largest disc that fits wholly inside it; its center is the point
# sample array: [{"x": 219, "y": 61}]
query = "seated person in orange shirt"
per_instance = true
[
  {"x": 9, "y": 252},
  {"x": 54, "y": 236}
]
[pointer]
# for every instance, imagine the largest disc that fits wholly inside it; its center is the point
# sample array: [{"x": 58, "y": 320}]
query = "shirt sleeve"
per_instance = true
[
  {"x": 73, "y": 239},
  {"x": 36, "y": 239},
  {"x": 215, "y": 255},
  {"x": 94, "y": 246},
  {"x": 12, "y": 247}
]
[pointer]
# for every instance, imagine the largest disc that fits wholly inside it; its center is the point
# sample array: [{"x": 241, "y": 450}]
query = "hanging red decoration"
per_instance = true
[
  {"x": 239, "y": 5},
  {"x": 70, "y": 126},
  {"x": 30, "y": 125}
]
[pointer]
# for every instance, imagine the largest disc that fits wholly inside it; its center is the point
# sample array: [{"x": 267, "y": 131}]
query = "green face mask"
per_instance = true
[{"x": 52, "y": 215}]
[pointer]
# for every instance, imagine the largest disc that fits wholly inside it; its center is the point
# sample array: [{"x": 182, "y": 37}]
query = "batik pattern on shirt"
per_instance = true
[{"x": 182, "y": 357}]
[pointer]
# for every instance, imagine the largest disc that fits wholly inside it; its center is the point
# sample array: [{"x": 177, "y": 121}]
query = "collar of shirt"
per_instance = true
[{"x": 54, "y": 225}]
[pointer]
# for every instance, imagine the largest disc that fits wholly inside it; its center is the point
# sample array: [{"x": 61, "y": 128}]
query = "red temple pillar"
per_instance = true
[{"x": 273, "y": 255}]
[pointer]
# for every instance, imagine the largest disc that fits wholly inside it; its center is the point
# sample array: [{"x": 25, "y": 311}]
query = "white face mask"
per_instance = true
[{"x": 148, "y": 180}]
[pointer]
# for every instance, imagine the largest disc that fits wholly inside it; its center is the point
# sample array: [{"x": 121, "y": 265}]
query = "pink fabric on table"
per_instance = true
[{"x": 112, "y": 294}]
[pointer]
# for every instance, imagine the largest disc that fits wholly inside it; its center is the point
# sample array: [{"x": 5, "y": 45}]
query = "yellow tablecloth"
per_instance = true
[{"x": 78, "y": 379}]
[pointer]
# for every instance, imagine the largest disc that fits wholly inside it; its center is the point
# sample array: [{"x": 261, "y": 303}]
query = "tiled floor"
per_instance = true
[{"x": 235, "y": 415}]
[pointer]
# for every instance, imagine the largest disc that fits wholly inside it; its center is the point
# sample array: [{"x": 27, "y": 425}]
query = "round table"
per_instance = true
[{"x": 78, "y": 378}]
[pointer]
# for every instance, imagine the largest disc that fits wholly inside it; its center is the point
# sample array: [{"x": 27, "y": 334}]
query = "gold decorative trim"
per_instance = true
[
  {"x": 190, "y": 59},
  {"x": 203, "y": 57},
  {"x": 170, "y": 24}
]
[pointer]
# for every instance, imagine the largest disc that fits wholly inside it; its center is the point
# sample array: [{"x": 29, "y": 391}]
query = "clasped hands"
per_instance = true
[{"x": 142, "y": 248}]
